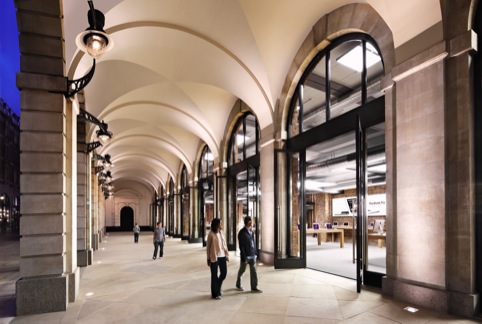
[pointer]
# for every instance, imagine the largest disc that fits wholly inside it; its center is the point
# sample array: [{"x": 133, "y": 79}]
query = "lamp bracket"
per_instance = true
[
  {"x": 74, "y": 86},
  {"x": 98, "y": 169},
  {"x": 97, "y": 156},
  {"x": 92, "y": 119},
  {"x": 92, "y": 146}
]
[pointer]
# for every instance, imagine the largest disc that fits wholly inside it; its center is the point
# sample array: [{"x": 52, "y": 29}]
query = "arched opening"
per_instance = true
[
  {"x": 330, "y": 174},
  {"x": 243, "y": 178},
  {"x": 126, "y": 218}
]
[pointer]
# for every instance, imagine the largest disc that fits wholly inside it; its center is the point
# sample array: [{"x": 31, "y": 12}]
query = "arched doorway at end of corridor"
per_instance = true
[{"x": 126, "y": 218}]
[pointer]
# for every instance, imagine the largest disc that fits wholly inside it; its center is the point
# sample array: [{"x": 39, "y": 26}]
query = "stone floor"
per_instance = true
[{"x": 124, "y": 285}]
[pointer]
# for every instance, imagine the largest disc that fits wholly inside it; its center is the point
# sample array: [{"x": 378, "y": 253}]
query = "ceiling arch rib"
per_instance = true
[
  {"x": 141, "y": 143},
  {"x": 113, "y": 79},
  {"x": 131, "y": 187},
  {"x": 140, "y": 174},
  {"x": 158, "y": 115},
  {"x": 158, "y": 164},
  {"x": 128, "y": 193},
  {"x": 191, "y": 98},
  {"x": 204, "y": 64},
  {"x": 194, "y": 39}
]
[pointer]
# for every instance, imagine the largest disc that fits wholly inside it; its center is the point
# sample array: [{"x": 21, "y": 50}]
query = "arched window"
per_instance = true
[
  {"x": 244, "y": 142},
  {"x": 336, "y": 82},
  {"x": 206, "y": 163},
  {"x": 243, "y": 178}
]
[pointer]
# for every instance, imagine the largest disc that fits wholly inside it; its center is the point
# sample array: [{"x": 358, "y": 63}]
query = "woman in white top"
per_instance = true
[{"x": 218, "y": 256}]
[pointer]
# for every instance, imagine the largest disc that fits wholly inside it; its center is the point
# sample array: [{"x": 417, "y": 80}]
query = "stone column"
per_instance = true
[
  {"x": 195, "y": 235},
  {"x": 221, "y": 192},
  {"x": 44, "y": 280},
  {"x": 84, "y": 249},
  {"x": 70, "y": 111},
  {"x": 267, "y": 207},
  {"x": 101, "y": 215},
  {"x": 460, "y": 218},
  {"x": 94, "y": 210},
  {"x": 391, "y": 182},
  {"x": 416, "y": 134}
]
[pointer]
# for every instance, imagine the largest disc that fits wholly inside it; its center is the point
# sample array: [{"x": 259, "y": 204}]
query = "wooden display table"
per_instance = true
[
  {"x": 325, "y": 232},
  {"x": 344, "y": 227},
  {"x": 380, "y": 237}
]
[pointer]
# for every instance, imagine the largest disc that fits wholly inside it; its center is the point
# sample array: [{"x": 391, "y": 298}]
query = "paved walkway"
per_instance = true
[{"x": 124, "y": 285}]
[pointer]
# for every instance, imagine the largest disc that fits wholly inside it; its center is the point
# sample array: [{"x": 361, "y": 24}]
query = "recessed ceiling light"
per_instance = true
[{"x": 89, "y": 294}]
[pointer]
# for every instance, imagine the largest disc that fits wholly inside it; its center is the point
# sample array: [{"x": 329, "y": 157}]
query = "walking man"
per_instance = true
[
  {"x": 158, "y": 240},
  {"x": 247, "y": 248}
]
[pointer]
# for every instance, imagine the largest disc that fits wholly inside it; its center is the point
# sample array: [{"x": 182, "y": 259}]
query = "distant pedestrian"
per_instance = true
[
  {"x": 217, "y": 255},
  {"x": 158, "y": 240},
  {"x": 136, "y": 230}
]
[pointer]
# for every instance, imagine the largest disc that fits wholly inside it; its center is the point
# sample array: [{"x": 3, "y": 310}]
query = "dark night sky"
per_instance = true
[{"x": 9, "y": 55}]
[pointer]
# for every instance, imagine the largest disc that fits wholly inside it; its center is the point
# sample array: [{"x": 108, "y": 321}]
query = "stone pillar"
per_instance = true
[
  {"x": 461, "y": 259},
  {"x": 430, "y": 126},
  {"x": 416, "y": 266},
  {"x": 70, "y": 112},
  {"x": 266, "y": 198},
  {"x": 84, "y": 249},
  {"x": 195, "y": 235},
  {"x": 391, "y": 183},
  {"x": 101, "y": 215},
  {"x": 94, "y": 210},
  {"x": 221, "y": 192},
  {"x": 44, "y": 280}
]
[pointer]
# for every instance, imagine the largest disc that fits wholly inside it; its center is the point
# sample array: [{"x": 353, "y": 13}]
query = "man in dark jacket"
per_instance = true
[{"x": 247, "y": 248}]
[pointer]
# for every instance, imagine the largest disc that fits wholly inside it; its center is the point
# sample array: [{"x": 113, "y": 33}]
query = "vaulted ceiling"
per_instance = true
[{"x": 178, "y": 66}]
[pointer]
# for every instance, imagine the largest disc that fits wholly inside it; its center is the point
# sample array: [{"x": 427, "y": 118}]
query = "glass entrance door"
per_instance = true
[
  {"x": 361, "y": 194},
  {"x": 330, "y": 190},
  {"x": 290, "y": 222},
  {"x": 330, "y": 202},
  {"x": 245, "y": 202},
  {"x": 372, "y": 216}
]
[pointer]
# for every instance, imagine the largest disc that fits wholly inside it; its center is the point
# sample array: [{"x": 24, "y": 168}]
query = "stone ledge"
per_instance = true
[{"x": 419, "y": 62}]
